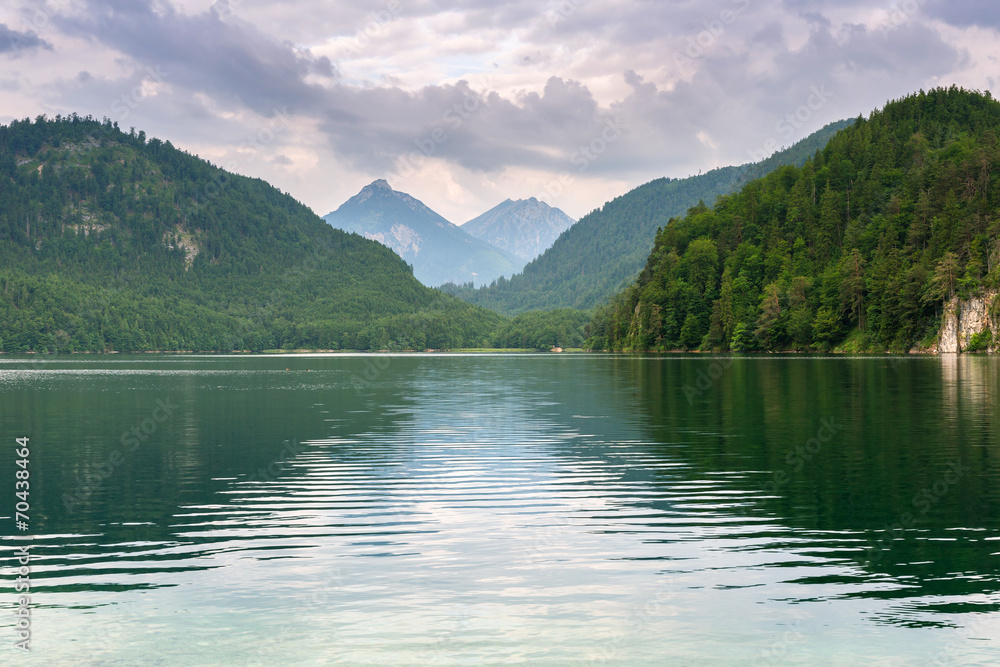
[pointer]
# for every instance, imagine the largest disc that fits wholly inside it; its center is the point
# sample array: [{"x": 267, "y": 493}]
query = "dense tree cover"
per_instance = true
[
  {"x": 112, "y": 242},
  {"x": 543, "y": 330},
  {"x": 599, "y": 255},
  {"x": 861, "y": 244}
]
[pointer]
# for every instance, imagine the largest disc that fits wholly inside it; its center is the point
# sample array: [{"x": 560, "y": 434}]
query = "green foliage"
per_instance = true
[
  {"x": 112, "y": 242},
  {"x": 743, "y": 339},
  {"x": 544, "y": 330},
  {"x": 603, "y": 252},
  {"x": 980, "y": 342},
  {"x": 860, "y": 247}
]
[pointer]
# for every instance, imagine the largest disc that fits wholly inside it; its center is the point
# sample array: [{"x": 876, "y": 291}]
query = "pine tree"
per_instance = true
[
  {"x": 944, "y": 280},
  {"x": 852, "y": 287}
]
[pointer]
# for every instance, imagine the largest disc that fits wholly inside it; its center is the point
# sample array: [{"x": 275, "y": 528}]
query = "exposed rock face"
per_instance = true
[
  {"x": 401, "y": 238},
  {"x": 439, "y": 251},
  {"x": 525, "y": 228},
  {"x": 964, "y": 319}
]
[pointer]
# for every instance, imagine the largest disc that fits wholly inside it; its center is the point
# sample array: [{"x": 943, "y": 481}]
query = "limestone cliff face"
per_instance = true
[
  {"x": 964, "y": 319},
  {"x": 524, "y": 228},
  {"x": 439, "y": 251}
]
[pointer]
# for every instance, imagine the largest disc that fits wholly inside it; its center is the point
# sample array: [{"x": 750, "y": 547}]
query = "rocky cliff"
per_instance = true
[
  {"x": 524, "y": 228},
  {"x": 439, "y": 251},
  {"x": 971, "y": 323}
]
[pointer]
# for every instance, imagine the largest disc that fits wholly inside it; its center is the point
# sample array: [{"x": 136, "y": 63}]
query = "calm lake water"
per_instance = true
[{"x": 504, "y": 509}]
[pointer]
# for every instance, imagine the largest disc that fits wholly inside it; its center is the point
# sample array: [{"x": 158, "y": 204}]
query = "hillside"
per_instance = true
[
  {"x": 439, "y": 251},
  {"x": 112, "y": 242},
  {"x": 524, "y": 228},
  {"x": 606, "y": 249},
  {"x": 860, "y": 248}
]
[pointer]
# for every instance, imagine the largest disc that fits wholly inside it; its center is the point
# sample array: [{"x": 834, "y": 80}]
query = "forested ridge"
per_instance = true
[
  {"x": 595, "y": 258},
  {"x": 110, "y": 241},
  {"x": 859, "y": 248}
]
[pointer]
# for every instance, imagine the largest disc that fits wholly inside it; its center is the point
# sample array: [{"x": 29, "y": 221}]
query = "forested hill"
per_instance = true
[
  {"x": 112, "y": 242},
  {"x": 858, "y": 248},
  {"x": 595, "y": 258}
]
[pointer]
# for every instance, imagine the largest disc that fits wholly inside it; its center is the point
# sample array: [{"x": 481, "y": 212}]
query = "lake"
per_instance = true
[{"x": 448, "y": 509}]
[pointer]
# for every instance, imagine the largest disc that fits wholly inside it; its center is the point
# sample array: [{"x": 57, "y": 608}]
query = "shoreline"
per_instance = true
[{"x": 482, "y": 350}]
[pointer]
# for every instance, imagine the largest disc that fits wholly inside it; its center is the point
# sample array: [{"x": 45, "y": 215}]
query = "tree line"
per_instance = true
[{"x": 859, "y": 248}]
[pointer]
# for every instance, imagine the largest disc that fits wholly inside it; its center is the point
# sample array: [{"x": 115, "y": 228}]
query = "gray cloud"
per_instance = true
[
  {"x": 230, "y": 60},
  {"x": 478, "y": 131},
  {"x": 695, "y": 85},
  {"x": 15, "y": 42},
  {"x": 982, "y": 13},
  {"x": 372, "y": 127}
]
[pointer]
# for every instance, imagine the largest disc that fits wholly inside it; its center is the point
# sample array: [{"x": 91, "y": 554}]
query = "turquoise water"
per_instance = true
[{"x": 505, "y": 509}]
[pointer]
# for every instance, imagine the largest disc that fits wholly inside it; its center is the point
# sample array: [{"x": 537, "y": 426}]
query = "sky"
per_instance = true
[{"x": 463, "y": 104}]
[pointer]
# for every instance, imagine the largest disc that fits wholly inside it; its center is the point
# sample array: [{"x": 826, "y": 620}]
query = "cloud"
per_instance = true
[
  {"x": 743, "y": 55},
  {"x": 493, "y": 94},
  {"x": 15, "y": 42},
  {"x": 982, "y": 13},
  {"x": 230, "y": 59}
]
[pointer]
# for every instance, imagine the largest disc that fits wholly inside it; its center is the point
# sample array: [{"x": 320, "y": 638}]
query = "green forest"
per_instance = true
[
  {"x": 544, "y": 329},
  {"x": 598, "y": 256},
  {"x": 112, "y": 242},
  {"x": 857, "y": 249}
]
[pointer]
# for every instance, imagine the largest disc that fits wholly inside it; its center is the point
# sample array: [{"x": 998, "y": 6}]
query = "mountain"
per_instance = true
[
  {"x": 603, "y": 252},
  {"x": 112, "y": 242},
  {"x": 525, "y": 228},
  {"x": 439, "y": 251},
  {"x": 862, "y": 248}
]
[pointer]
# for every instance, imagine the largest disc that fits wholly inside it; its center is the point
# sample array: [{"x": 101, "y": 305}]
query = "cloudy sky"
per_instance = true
[{"x": 463, "y": 103}]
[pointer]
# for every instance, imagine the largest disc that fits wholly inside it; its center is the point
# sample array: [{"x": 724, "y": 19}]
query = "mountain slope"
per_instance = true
[
  {"x": 525, "y": 228},
  {"x": 439, "y": 251},
  {"x": 605, "y": 250},
  {"x": 859, "y": 248},
  {"x": 112, "y": 242}
]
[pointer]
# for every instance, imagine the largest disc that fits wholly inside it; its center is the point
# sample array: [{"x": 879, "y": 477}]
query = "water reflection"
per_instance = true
[
  {"x": 537, "y": 508},
  {"x": 900, "y": 505}
]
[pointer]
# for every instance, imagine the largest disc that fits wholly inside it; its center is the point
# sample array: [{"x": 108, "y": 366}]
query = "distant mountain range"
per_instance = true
[
  {"x": 110, "y": 241},
  {"x": 438, "y": 250},
  {"x": 603, "y": 252},
  {"x": 525, "y": 228}
]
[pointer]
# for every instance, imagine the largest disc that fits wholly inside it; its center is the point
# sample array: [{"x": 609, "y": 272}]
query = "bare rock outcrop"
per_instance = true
[{"x": 965, "y": 319}]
